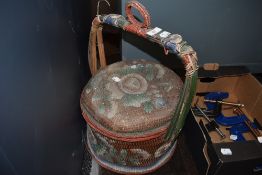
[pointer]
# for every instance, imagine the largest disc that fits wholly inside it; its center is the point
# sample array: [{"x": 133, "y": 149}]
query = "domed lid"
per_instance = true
[{"x": 132, "y": 96}]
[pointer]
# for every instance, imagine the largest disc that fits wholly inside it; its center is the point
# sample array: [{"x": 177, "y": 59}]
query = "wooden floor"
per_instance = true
[{"x": 180, "y": 164}]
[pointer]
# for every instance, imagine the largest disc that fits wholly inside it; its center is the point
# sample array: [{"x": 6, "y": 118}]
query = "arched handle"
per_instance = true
[
  {"x": 133, "y": 25},
  {"x": 143, "y": 12}
]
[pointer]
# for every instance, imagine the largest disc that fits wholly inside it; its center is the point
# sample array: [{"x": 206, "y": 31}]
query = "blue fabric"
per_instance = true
[
  {"x": 109, "y": 20},
  {"x": 172, "y": 47}
]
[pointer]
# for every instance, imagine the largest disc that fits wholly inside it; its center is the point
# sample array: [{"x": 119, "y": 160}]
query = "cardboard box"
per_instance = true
[{"x": 206, "y": 146}]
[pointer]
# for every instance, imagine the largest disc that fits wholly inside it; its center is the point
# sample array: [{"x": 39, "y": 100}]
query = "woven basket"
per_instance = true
[{"x": 135, "y": 109}]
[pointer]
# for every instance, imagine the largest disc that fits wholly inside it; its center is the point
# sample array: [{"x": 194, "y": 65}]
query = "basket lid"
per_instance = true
[{"x": 132, "y": 96}]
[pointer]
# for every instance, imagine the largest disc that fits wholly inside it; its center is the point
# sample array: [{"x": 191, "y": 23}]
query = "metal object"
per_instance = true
[
  {"x": 98, "y": 6},
  {"x": 222, "y": 135},
  {"x": 216, "y": 107},
  {"x": 214, "y": 101},
  {"x": 207, "y": 112},
  {"x": 251, "y": 126},
  {"x": 253, "y": 130},
  {"x": 236, "y": 132},
  {"x": 230, "y": 120},
  {"x": 239, "y": 123},
  {"x": 225, "y": 103}
]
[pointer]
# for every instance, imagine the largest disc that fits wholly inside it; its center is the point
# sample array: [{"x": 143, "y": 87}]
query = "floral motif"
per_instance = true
[
  {"x": 129, "y": 91},
  {"x": 122, "y": 157},
  {"x": 134, "y": 100},
  {"x": 141, "y": 153},
  {"x": 137, "y": 68},
  {"x": 133, "y": 84},
  {"x": 148, "y": 106},
  {"x": 116, "y": 93},
  {"x": 149, "y": 72},
  {"x": 161, "y": 71},
  {"x": 166, "y": 86},
  {"x": 160, "y": 103}
]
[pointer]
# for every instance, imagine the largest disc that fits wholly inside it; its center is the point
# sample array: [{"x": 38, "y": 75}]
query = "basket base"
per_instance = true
[{"x": 133, "y": 170}]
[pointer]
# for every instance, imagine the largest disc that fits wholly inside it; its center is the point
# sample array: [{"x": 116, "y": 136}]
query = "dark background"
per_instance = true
[
  {"x": 43, "y": 68},
  {"x": 221, "y": 31}
]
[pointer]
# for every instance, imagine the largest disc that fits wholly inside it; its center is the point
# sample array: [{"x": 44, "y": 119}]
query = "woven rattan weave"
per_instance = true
[{"x": 135, "y": 109}]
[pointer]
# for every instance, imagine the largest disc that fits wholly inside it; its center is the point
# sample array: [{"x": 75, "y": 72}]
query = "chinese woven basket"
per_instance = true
[{"x": 135, "y": 109}]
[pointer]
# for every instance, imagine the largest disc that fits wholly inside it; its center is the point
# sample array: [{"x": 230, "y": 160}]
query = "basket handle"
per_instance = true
[
  {"x": 143, "y": 12},
  {"x": 96, "y": 40},
  {"x": 172, "y": 43},
  {"x": 96, "y": 37}
]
